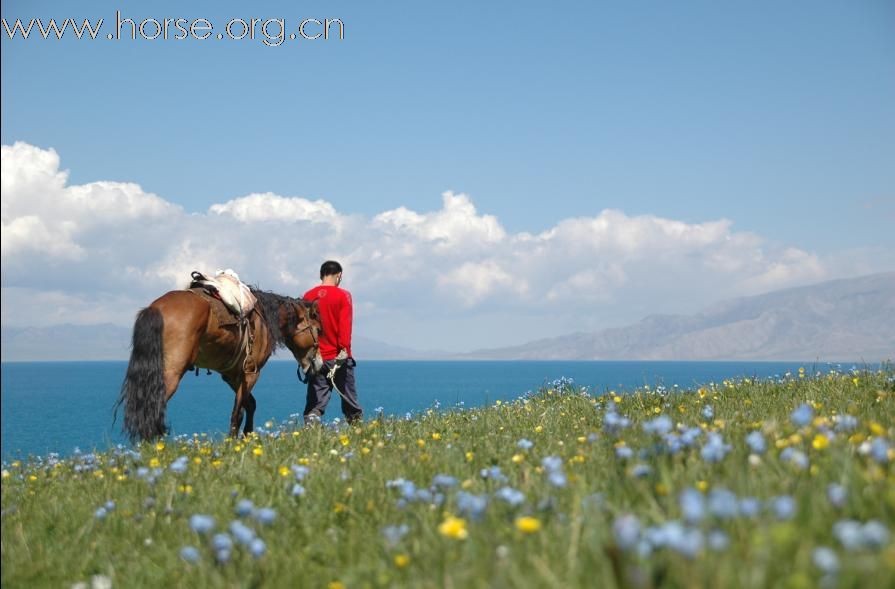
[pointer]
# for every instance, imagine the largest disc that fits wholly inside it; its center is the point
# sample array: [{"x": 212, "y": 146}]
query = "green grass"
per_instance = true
[{"x": 332, "y": 535}]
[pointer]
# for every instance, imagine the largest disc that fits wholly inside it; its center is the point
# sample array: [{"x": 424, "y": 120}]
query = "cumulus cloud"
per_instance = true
[{"x": 103, "y": 249}]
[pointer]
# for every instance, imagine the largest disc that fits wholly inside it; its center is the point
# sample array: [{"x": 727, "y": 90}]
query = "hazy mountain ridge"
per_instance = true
[{"x": 850, "y": 319}]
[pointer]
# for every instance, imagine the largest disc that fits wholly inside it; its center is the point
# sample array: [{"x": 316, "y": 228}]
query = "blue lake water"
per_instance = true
[{"x": 56, "y": 406}]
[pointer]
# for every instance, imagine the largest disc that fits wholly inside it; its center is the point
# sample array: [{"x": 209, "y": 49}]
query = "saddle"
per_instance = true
[{"x": 228, "y": 289}]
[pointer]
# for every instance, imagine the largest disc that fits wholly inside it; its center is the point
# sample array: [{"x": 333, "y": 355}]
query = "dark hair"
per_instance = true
[{"x": 329, "y": 268}]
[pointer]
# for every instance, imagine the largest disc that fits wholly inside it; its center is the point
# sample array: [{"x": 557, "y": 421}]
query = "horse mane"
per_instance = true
[{"x": 270, "y": 304}]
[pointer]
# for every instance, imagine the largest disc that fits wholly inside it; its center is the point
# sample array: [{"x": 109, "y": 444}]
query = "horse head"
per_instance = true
[{"x": 304, "y": 340}]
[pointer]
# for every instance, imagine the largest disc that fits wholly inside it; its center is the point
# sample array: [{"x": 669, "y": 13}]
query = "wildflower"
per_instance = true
[
  {"x": 749, "y": 506},
  {"x": 298, "y": 490},
  {"x": 454, "y": 528},
  {"x": 879, "y": 450},
  {"x": 718, "y": 540},
  {"x": 401, "y": 560},
  {"x": 265, "y": 515},
  {"x": 221, "y": 541},
  {"x": 708, "y": 413},
  {"x": 714, "y": 449},
  {"x": 849, "y": 533},
  {"x": 641, "y": 470},
  {"x": 660, "y": 425},
  {"x": 472, "y": 506},
  {"x": 257, "y": 451},
  {"x": 179, "y": 466},
  {"x": 836, "y": 494},
  {"x": 444, "y": 481},
  {"x": 189, "y": 554},
  {"x": 557, "y": 478},
  {"x": 626, "y": 529},
  {"x": 802, "y": 415},
  {"x": 756, "y": 442},
  {"x": 723, "y": 503},
  {"x": 100, "y": 513},
  {"x": 245, "y": 507},
  {"x": 820, "y": 442},
  {"x": 493, "y": 473},
  {"x": 257, "y": 548},
  {"x": 243, "y": 534},
  {"x": 394, "y": 534},
  {"x": 513, "y": 497},
  {"x": 825, "y": 559},
  {"x": 875, "y": 534},
  {"x": 201, "y": 524},
  {"x": 692, "y": 505},
  {"x": 795, "y": 457},
  {"x": 528, "y": 524},
  {"x": 623, "y": 452},
  {"x": 525, "y": 444},
  {"x": 784, "y": 507}
]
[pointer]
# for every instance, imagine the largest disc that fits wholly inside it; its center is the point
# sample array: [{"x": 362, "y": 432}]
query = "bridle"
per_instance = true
[{"x": 302, "y": 377}]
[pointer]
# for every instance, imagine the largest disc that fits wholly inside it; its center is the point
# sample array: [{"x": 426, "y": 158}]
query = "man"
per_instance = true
[{"x": 335, "y": 347}]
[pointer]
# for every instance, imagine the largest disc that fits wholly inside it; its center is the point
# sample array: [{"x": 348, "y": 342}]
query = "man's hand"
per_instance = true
[{"x": 342, "y": 356}]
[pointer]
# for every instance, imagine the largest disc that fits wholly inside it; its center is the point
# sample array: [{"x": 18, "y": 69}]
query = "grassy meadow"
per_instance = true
[{"x": 770, "y": 483}]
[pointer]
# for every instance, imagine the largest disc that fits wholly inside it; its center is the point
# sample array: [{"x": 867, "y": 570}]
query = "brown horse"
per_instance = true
[{"x": 179, "y": 331}]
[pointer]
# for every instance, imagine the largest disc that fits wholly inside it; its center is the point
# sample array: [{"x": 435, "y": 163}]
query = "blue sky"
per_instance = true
[{"x": 775, "y": 116}]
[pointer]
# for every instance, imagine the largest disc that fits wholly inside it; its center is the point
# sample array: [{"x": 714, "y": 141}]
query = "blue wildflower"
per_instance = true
[
  {"x": 749, "y": 506},
  {"x": 784, "y": 507},
  {"x": 201, "y": 524},
  {"x": 641, "y": 470},
  {"x": 110, "y": 505},
  {"x": 626, "y": 529},
  {"x": 802, "y": 415},
  {"x": 660, "y": 425},
  {"x": 512, "y": 496},
  {"x": 525, "y": 444},
  {"x": 257, "y": 548},
  {"x": 394, "y": 534},
  {"x": 718, "y": 540},
  {"x": 298, "y": 490},
  {"x": 552, "y": 463},
  {"x": 493, "y": 473},
  {"x": 472, "y": 506},
  {"x": 241, "y": 532},
  {"x": 692, "y": 505},
  {"x": 222, "y": 556},
  {"x": 825, "y": 560},
  {"x": 756, "y": 442},
  {"x": 189, "y": 554},
  {"x": 300, "y": 471},
  {"x": 444, "y": 481},
  {"x": 179, "y": 465},
  {"x": 708, "y": 413},
  {"x": 244, "y": 507},
  {"x": 265, "y": 516},
  {"x": 557, "y": 478},
  {"x": 723, "y": 503},
  {"x": 221, "y": 541},
  {"x": 879, "y": 450},
  {"x": 836, "y": 494},
  {"x": 845, "y": 422},
  {"x": 100, "y": 513},
  {"x": 714, "y": 449},
  {"x": 875, "y": 534},
  {"x": 623, "y": 452},
  {"x": 849, "y": 533}
]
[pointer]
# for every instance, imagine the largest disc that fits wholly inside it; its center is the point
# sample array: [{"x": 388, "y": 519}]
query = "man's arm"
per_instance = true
[{"x": 346, "y": 315}]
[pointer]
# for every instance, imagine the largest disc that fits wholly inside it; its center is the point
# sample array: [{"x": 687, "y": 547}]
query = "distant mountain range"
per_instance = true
[
  {"x": 848, "y": 320},
  {"x": 851, "y": 319}
]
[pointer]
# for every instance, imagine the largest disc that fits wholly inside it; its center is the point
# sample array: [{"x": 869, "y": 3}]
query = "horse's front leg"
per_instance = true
[
  {"x": 249, "y": 405},
  {"x": 237, "y": 383}
]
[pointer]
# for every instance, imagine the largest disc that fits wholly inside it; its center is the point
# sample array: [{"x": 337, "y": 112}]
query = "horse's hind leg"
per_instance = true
[{"x": 237, "y": 383}]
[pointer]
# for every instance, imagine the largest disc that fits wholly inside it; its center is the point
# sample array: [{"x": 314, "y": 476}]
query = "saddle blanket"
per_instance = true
[
  {"x": 224, "y": 316},
  {"x": 227, "y": 286}
]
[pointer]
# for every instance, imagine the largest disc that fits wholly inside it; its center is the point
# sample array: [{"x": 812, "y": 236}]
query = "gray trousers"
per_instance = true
[{"x": 320, "y": 389}]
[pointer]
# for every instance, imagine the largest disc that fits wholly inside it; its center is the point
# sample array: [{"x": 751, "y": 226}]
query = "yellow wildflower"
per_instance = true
[
  {"x": 284, "y": 471},
  {"x": 820, "y": 442},
  {"x": 528, "y": 525},
  {"x": 454, "y": 528},
  {"x": 401, "y": 560},
  {"x": 257, "y": 451}
]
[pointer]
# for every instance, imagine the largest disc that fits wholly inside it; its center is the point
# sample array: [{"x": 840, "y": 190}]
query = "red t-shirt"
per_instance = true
[{"x": 335, "y": 315}]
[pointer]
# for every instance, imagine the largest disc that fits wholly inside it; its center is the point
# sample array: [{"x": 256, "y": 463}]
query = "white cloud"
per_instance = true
[{"x": 90, "y": 243}]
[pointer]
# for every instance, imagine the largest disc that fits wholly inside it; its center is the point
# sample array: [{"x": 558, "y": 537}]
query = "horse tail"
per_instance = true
[{"x": 143, "y": 390}]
